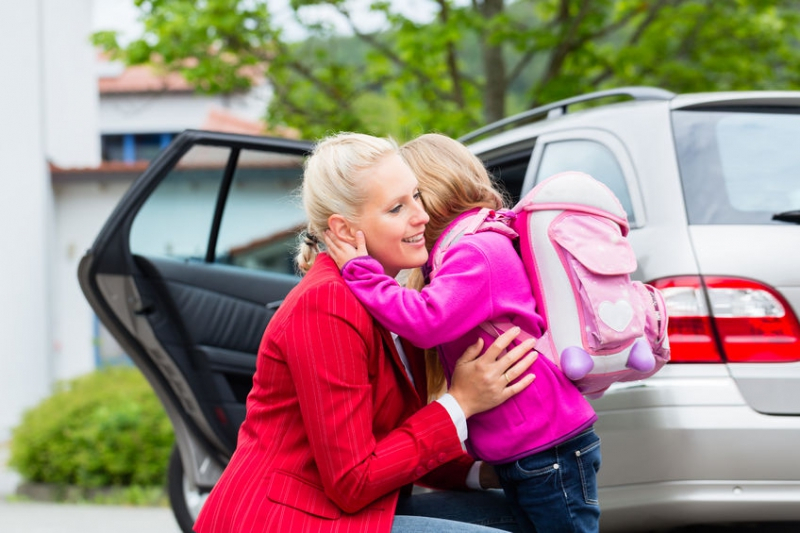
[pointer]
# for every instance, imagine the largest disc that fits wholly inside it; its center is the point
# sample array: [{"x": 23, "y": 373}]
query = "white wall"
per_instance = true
[
  {"x": 25, "y": 216},
  {"x": 48, "y": 113},
  {"x": 80, "y": 210},
  {"x": 70, "y": 84},
  {"x": 161, "y": 112}
]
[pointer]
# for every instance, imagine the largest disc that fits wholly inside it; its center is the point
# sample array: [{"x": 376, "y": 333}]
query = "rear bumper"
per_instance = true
[
  {"x": 673, "y": 504},
  {"x": 684, "y": 448}
]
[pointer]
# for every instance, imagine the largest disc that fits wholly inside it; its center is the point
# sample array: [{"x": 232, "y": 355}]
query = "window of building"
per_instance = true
[{"x": 131, "y": 147}]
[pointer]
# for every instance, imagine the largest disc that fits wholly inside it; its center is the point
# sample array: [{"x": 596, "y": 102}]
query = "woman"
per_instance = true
[
  {"x": 542, "y": 441},
  {"x": 337, "y": 426}
]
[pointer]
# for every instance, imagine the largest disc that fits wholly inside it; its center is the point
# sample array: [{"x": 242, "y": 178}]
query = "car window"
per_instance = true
[
  {"x": 175, "y": 221},
  {"x": 263, "y": 214},
  {"x": 590, "y": 157},
  {"x": 255, "y": 225},
  {"x": 509, "y": 172},
  {"x": 738, "y": 167}
]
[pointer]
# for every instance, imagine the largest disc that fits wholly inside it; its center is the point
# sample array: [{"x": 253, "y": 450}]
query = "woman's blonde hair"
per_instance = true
[
  {"x": 452, "y": 180},
  {"x": 332, "y": 179}
]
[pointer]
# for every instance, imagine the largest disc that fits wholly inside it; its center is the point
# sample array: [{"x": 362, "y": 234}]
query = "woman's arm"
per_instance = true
[{"x": 330, "y": 364}]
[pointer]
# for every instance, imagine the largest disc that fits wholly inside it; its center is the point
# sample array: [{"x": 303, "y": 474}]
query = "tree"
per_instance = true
[{"x": 470, "y": 62}]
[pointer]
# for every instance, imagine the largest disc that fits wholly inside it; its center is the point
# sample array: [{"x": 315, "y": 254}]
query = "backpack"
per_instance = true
[{"x": 601, "y": 326}]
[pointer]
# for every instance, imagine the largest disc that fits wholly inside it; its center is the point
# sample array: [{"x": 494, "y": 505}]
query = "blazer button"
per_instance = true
[
  {"x": 442, "y": 457},
  {"x": 431, "y": 464},
  {"x": 419, "y": 471}
]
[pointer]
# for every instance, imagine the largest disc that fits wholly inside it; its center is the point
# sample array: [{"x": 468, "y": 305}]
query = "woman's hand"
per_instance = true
[
  {"x": 341, "y": 251},
  {"x": 481, "y": 382}
]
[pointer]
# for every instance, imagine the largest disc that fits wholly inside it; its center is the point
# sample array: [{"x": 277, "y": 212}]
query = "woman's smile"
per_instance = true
[{"x": 416, "y": 239}]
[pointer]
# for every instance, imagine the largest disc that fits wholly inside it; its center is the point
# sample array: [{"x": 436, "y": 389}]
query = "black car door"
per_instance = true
[{"x": 190, "y": 266}]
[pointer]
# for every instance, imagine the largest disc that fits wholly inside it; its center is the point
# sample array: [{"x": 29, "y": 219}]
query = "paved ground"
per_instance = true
[{"x": 35, "y": 517}]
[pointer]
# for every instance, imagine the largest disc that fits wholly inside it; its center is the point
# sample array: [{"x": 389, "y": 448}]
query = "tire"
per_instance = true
[{"x": 185, "y": 498}]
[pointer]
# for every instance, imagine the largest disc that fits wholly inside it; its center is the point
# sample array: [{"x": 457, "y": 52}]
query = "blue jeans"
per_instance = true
[
  {"x": 476, "y": 511},
  {"x": 555, "y": 490}
]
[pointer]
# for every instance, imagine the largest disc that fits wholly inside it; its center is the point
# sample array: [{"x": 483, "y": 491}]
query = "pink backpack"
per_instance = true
[{"x": 602, "y": 327}]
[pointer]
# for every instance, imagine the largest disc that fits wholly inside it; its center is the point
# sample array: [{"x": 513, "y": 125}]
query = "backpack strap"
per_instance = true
[{"x": 468, "y": 224}]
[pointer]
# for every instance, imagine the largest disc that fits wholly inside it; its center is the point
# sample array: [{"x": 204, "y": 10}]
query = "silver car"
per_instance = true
[
  {"x": 711, "y": 185},
  {"x": 191, "y": 265}
]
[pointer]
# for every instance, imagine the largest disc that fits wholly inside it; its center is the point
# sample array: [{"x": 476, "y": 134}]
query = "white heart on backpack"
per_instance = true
[{"x": 616, "y": 315}]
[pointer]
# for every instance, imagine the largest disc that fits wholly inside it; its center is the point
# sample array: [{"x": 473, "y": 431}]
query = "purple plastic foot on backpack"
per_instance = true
[
  {"x": 576, "y": 362},
  {"x": 641, "y": 357}
]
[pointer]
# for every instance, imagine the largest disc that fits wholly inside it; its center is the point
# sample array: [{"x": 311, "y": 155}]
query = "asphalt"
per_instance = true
[{"x": 17, "y": 516}]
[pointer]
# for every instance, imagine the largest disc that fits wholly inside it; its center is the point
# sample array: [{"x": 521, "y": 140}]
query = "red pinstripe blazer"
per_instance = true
[{"x": 334, "y": 428}]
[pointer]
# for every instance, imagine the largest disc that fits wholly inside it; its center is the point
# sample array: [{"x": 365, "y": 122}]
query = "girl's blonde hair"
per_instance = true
[
  {"x": 452, "y": 180},
  {"x": 332, "y": 179}
]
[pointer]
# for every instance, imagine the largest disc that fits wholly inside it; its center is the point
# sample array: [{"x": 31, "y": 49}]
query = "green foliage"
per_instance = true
[
  {"x": 106, "y": 428},
  {"x": 467, "y": 63}
]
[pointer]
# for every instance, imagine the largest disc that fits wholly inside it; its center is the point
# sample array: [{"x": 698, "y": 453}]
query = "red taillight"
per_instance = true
[{"x": 749, "y": 321}]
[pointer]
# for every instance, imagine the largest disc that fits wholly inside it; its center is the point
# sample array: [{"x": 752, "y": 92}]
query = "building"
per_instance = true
[{"x": 75, "y": 131}]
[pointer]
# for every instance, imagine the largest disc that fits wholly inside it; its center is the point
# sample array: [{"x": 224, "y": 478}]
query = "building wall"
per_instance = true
[
  {"x": 25, "y": 216},
  {"x": 52, "y": 114},
  {"x": 80, "y": 210},
  {"x": 69, "y": 78},
  {"x": 165, "y": 112}
]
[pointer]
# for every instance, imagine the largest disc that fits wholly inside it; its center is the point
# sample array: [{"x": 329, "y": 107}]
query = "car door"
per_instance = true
[{"x": 188, "y": 270}]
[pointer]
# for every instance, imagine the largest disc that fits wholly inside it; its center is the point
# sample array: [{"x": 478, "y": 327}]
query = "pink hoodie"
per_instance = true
[{"x": 481, "y": 278}]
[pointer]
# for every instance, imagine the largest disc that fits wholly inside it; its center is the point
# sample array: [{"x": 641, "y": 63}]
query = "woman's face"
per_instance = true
[{"x": 393, "y": 219}]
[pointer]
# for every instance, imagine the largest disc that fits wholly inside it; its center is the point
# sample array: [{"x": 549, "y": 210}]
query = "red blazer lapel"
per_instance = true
[
  {"x": 416, "y": 362},
  {"x": 415, "y": 359}
]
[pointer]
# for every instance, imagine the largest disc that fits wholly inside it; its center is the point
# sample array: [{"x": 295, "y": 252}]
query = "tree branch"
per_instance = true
[
  {"x": 637, "y": 34},
  {"x": 392, "y": 56}
]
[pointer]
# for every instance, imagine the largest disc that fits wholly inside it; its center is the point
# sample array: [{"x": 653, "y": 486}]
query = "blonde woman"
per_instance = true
[
  {"x": 337, "y": 426},
  {"x": 541, "y": 442}
]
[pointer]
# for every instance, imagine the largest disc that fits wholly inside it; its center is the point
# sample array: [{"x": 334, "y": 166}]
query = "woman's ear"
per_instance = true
[{"x": 342, "y": 229}]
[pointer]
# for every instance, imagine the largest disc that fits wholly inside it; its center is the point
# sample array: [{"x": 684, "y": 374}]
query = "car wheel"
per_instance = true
[{"x": 185, "y": 498}]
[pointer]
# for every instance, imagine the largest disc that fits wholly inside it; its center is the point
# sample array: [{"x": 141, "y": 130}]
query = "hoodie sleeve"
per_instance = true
[{"x": 455, "y": 302}]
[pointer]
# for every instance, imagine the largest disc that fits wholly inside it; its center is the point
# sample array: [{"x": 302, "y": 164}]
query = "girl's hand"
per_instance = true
[
  {"x": 341, "y": 251},
  {"x": 481, "y": 382}
]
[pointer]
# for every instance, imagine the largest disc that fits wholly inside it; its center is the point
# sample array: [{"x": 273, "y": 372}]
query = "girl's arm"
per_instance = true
[{"x": 456, "y": 301}]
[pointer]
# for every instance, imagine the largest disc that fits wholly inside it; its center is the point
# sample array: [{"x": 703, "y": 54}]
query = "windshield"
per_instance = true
[{"x": 739, "y": 166}]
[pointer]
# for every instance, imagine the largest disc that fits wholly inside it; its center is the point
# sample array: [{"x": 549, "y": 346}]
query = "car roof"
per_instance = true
[
  {"x": 515, "y": 129},
  {"x": 736, "y": 98}
]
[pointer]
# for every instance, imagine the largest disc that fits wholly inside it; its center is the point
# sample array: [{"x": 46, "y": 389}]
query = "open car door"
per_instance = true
[{"x": 186, "y": 273}]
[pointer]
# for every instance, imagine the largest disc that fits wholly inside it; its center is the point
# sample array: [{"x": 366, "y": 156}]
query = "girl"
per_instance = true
[{"x": 542, "y": 441}]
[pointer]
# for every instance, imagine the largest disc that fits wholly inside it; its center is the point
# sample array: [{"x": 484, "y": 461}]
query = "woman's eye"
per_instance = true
[
  {"x": 418, "y": 196},
  {"x": 396, "y": 209}
]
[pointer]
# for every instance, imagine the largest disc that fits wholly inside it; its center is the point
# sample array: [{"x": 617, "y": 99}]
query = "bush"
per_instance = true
[{"x": 103, "y": 429}]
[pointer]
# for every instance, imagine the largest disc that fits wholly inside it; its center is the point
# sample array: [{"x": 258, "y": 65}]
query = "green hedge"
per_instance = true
[{"x": 103, "y": 429}]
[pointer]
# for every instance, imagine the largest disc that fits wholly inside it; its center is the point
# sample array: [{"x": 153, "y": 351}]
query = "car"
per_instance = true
[{"x": 191, "y": 265}]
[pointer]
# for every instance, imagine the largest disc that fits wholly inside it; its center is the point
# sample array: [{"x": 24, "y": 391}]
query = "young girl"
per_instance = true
[{"x": 542, "y": 441}]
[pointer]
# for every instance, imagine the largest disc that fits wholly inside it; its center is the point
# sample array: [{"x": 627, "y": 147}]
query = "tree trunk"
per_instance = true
[{"x": 494, "y": 68}]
